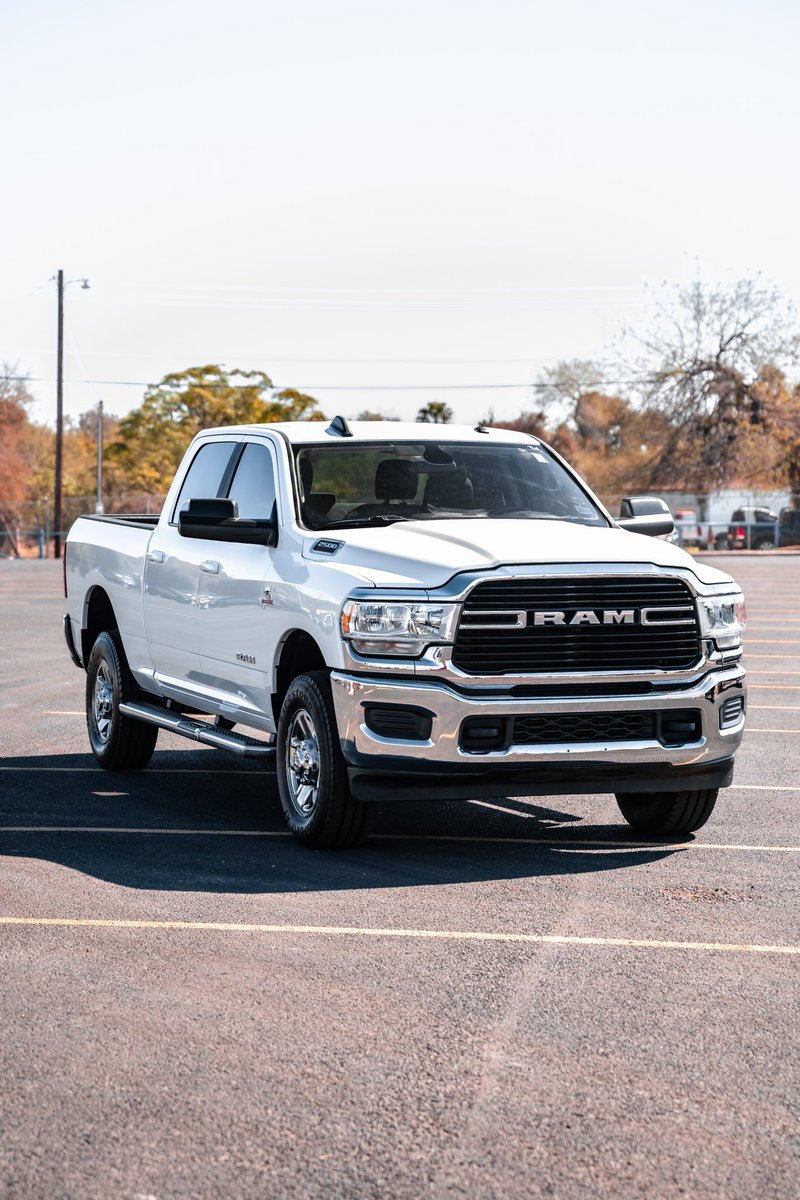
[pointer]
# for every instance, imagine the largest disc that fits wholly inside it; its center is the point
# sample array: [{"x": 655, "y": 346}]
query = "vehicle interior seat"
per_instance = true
[
  {"x": 317, "y": 504},
  {"x": 449, "y": 490}
]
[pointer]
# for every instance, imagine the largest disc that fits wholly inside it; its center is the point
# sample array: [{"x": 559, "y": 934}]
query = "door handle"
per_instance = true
[
  {"x": 211, "y": 567},
  {"x": 156, "y": 556}
]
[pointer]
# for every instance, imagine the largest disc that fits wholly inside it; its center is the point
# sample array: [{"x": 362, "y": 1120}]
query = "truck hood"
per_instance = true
[{"x": 429, "y": 553}]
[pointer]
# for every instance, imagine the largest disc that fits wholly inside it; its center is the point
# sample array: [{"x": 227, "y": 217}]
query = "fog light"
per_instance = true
[
  {"x": 484, "y": 733},
  {"x": 731, "y": 712}
]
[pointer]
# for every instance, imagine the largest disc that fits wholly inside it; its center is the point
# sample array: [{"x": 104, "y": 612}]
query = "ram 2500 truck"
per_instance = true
[{"x": 407, "y": 611}]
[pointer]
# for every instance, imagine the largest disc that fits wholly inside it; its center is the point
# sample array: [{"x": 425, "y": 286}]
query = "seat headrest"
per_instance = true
[
  {"x": 451, "y": 489},
  {"x": 395, "y": 479},
  {"x": 306, "y": 474}
]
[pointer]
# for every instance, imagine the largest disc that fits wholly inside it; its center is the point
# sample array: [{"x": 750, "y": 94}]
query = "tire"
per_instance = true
[
  {"x": 312, "y": 778},
  {"x": 118, "y": 743},
  {"x": 765, "y": 544},
  {"x": 667, "y": 812},
  {"x": 722, "y": 542}
]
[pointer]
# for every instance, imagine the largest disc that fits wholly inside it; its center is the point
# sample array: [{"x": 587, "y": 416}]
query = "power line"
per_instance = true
[{"x": 328, "y": 387}]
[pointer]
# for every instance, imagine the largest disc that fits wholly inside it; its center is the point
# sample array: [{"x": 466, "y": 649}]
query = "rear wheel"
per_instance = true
[
  {"x": 765, "y": 544},
  {"x": 667, "y": 812},
  {"x": 119, "y": 743},
  {"x": 312, "y": 778}
]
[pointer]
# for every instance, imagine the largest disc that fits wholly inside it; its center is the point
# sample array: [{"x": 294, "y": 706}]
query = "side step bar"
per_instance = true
[{"x": 199, "y": 731}]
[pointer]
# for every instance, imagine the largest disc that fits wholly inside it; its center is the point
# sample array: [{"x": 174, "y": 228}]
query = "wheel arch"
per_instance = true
[
  {"x": 299, "y": 652},
  {"x": 98, "y": 617}
]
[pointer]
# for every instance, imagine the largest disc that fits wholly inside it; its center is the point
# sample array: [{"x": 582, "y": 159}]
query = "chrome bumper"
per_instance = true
[{"x": 440, "y": 754}]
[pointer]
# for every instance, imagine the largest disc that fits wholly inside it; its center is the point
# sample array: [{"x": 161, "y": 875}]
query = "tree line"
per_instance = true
[{"x": 700, "y": 396}]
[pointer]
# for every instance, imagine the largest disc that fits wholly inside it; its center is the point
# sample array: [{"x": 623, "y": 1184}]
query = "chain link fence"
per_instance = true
[
  {"x": 733, "y": 519},
  {"x": 27, "y": 531}
]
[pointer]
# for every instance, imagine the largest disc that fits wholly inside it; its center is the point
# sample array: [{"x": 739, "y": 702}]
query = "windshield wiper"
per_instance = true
[{"x": 375, "y": 519}]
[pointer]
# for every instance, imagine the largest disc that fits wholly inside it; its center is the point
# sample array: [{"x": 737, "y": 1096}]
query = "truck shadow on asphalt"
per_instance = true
[{"x": 191, "y": 825}]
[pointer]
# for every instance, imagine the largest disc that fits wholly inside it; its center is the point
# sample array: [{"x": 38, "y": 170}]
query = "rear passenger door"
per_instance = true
[{"x": 172, "y": 573}]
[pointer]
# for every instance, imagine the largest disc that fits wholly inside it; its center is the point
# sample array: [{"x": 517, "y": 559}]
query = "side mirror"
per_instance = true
[
  {"x": 219, "y": 520},
  {"x": 646, "y": 514}
]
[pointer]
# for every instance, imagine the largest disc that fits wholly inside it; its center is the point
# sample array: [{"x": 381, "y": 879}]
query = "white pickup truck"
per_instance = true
[{"x": 406, "y": 611}]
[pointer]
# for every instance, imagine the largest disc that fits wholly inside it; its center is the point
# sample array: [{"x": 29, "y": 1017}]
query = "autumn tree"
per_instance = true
[
  {"x": 14, "y": 401},
  {"x": 369, "y": 414},
  {"x": 152, "y": 439},
  {"x": 608, "y": 439},
  {"x": 14, "y": 424},
  {"x": 699, "y": 363},
  {"x": 559, "y": 389}
]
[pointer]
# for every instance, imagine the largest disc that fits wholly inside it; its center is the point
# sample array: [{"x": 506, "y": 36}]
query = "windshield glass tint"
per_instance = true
[{"x": 383, "y": 482}]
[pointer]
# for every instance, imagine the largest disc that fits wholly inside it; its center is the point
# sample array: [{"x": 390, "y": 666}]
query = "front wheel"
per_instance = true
[
  {"x": 119, "y": 743},
  {"x": 312, "y": 778},
  {"x": 765, "y": 544},
  {"x": 664, "y": 813}
]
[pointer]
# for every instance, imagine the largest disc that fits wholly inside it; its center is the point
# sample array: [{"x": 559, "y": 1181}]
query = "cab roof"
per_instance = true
[{"x": 304, "y": 432}]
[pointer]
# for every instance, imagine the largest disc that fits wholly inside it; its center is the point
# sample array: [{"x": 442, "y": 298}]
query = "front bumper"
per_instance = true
[{"x": 384, "y": 768}]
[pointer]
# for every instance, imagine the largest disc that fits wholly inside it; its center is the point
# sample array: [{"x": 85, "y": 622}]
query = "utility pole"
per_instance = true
[
  {"x": 98, "y": 508},
  {"x": 57, "y": 515}
]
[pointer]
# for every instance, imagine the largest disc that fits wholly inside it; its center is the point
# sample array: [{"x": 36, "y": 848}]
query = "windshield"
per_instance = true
[{"x": 383, "y": 482}]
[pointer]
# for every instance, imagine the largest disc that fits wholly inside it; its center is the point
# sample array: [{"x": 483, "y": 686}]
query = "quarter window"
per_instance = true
[
  {"x": 205, "y": 475},
  {"x": 253, "y": 486}
]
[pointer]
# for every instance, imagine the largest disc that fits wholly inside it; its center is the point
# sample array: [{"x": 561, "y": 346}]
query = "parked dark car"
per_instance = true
[
  {"x": 789, "y": 527},
  {"x": 753, "y": 528}
]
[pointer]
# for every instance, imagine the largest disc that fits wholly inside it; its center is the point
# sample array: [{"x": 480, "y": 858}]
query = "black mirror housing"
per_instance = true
[
  {"x": 218, "y": 519},
  {"x": 646, "y": 514}
]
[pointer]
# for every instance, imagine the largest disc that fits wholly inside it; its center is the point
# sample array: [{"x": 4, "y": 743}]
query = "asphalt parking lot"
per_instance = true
[{"x": 491, "y": 999}]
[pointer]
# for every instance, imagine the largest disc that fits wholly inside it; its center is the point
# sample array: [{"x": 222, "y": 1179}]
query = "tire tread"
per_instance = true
[{"x": 667, "y": 813}]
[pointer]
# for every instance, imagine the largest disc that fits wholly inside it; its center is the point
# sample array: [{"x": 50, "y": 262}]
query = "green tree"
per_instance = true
[
  {"x": 436, "y": 412},
  {"x": 153, "y": 438}
]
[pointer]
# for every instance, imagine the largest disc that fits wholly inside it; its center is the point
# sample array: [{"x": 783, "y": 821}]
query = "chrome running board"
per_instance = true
[{"x": 198, "y": 731}]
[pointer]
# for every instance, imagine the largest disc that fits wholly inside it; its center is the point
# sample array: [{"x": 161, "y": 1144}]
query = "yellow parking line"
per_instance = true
[
  {"x": 448, "y": 935},
  {"x": 772, "y": 671},
  {"x": 750, "y": 729},
  {"x": 760, "y": 787}
]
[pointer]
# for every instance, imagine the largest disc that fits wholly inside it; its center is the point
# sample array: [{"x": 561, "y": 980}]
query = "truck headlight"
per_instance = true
[
  {"x": 402, "y": 627},
  {"x": 723, "y": 618}
]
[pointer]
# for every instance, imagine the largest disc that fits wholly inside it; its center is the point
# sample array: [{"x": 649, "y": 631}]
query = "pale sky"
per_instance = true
[{"x": 345, "y": 194}]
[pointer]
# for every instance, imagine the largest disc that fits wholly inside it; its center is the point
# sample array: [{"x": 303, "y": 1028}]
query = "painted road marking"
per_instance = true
[
  {"x": 776, "y": 707},
  {"x": 772, "y": 671},
  {"x": 447, "y": 935},
  {"x": 750, "y": 729},
  {"x": 772, "y": 687},
  {"x": 544, "y": 840}
]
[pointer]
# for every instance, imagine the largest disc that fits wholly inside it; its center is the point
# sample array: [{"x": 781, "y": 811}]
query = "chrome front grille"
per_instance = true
[{"x": 558, "y": 625}]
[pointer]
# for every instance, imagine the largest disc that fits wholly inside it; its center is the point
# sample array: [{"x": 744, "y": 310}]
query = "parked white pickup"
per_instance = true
[{"x": 407, "y": 611}]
